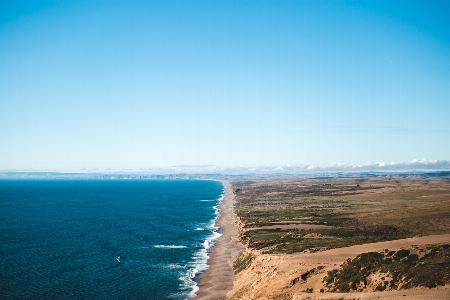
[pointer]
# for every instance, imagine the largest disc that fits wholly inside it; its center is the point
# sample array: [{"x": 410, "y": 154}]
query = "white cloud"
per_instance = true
[{"x": 423, "y": 164}]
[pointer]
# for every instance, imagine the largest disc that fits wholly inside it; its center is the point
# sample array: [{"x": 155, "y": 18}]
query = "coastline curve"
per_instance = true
[{"x": 218, "y": 279}]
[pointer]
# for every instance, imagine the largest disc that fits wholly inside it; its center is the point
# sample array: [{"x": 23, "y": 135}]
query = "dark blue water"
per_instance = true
[{"x": 111, "y": 239}]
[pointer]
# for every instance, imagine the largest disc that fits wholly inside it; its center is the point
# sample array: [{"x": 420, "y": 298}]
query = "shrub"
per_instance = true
[
  {"x": 330, "y": 276},
  {"x": 242, "y": 261},
  {"x": 401, "y": 254},
  {"x": 412, "y": 259},
  {"x": 407, "y": 270},
  {"x": 387, "y": 261},
  {"x": 380, "y": 288}
]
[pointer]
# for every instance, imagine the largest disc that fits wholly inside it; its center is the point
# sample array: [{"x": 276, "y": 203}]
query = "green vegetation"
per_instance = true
[
  {"x": 358, "y": 211},
  {"x": 242, "y": 291},
  {"x": 255, "y": 218},
  {"x": 406, "y": 270},
  {"x": 242, "y": 261},
  {"x": 401, "y": 254},
  {"x": 290, "y": 241}
]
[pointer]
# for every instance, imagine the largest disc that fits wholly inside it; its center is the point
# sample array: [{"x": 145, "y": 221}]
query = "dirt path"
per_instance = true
[{"x": 440, "y": 293}]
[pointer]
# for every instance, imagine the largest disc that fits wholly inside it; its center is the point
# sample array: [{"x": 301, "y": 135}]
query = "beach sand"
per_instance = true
[{"x": 218, "y": 279}]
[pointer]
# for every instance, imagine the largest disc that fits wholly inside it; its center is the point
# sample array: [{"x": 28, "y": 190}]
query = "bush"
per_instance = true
[
  {"x": 401, "y": 254},
  {"x": 387, "y": 261},
  {"x": 242, "y": 261},
  {"x": 380, "y": 288},
  {"x": 407, "y": 270},
  {"x": 412, "y": 259}
]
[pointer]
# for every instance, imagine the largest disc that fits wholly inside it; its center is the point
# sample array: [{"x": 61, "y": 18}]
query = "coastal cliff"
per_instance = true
[
  {"x": 263, "y": 271},
  {"x": 304, "y": 275}
]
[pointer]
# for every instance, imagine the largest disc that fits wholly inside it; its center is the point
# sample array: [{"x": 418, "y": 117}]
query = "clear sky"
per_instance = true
[{"x": 149, "y": 84}]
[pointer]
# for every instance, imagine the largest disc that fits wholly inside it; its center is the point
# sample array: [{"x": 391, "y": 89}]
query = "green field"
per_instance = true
[{"x": 358, "y": 211}]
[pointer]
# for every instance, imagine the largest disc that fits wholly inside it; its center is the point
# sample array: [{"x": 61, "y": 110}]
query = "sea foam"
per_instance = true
[
  {"x": 200, "y": 264},
  {"x": 170, "y": 246}
]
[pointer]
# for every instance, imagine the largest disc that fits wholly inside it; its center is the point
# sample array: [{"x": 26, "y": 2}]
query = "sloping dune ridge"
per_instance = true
[{"x": 288, "y": 276}]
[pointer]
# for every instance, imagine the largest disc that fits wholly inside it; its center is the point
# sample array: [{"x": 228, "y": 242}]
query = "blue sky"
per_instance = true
[{"x": 153, "y": 84}]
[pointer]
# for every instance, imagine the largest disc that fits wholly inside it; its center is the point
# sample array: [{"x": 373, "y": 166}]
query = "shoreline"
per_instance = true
[{"x": 218, "y": 279}]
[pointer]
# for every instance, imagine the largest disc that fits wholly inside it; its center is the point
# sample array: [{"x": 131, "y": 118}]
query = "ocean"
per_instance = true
[{"x": 105, "y": 239}]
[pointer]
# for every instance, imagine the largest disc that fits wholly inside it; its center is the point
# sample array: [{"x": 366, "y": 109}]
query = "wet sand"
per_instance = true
[{"x": 218, "y": 279}]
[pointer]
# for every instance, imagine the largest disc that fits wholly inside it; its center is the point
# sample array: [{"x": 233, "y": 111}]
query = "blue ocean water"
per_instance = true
[{"x": 105, "y": 239}]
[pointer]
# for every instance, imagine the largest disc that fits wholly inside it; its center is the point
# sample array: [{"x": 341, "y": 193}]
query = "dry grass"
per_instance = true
[{"x": 363, "y": 210}]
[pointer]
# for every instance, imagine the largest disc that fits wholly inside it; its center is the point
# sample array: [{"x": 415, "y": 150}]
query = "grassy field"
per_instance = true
[{"x": 358, "y": 211}]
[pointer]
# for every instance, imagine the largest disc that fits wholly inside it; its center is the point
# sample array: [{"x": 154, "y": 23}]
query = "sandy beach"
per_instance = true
[{"x": 218, "y": 279}]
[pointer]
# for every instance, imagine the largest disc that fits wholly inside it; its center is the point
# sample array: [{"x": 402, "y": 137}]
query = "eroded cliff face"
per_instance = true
[
  {"x": 239, "y": 226},
  {"x": 301, "y": 275},
  {"x": 276, "y": 277}
]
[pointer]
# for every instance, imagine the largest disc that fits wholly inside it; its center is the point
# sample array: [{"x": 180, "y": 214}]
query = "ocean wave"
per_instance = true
[
  {"x": 201, "y": 257},
  {"x": 174, "y": 266},
  {"x": 170, "y": 246},
  {"x": 198, "y": 228}
]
